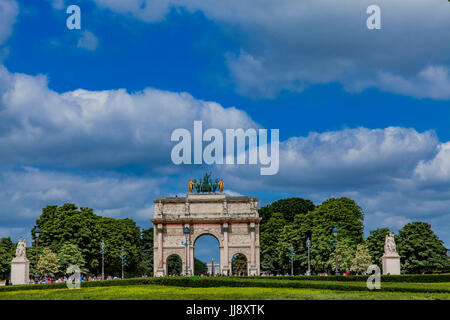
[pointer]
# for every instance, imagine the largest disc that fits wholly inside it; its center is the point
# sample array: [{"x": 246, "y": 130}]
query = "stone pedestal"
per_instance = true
[
  {"x": 253, "y": 271},
  {"x": 20, "y": 271},
  {"x": 391, "y": 263},
  {"x": 159, "y": 272}
]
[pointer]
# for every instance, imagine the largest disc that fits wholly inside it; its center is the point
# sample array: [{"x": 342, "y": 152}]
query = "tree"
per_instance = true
[
  {"x": 68, "y": 224},
  {"x": 420, "y": 249},
  {"x": 68, "y": 255},
  {"x": 269, "y": 236},
  {"x": 294, "y": 234},
  {"x": 200, "y": 267},
  {"x": 145, "y": 266},
  {"x": 347, "y": 216},
  {"x": 48, "y": 263},
  {"x": 118, "y": 234},
  {"x": 375, "y": 244},
  {"x": 345, "y": 254},
  {"x": 81, "y": 227},
  {"x": 239, "y": 265},
  {"x": 6, "y": 256},
  {"x": 362, "y": 259},
  {"x": 287, "y": 207},
  {"x": 174, "y": 265}
]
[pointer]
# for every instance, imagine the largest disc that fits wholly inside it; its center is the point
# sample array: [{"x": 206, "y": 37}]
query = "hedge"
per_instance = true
[{"x": 328, "y": 283}]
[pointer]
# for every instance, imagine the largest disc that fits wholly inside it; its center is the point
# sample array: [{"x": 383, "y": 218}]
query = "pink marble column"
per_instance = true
[
  {"x": 160, "y": 245},
  {"x": 252, "y": 240},
  {"x": 225, "y": 247}
]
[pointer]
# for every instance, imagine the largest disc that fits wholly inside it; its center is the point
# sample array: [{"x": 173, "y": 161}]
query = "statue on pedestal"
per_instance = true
[
  {"x": 390, "y": 258},
  {"x": 20, "y": 266}
]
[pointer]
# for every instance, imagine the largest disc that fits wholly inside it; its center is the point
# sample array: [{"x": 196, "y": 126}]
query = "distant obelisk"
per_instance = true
[
  {"x": 20, "y": 265},
  {"x": 390, "y": 258}
]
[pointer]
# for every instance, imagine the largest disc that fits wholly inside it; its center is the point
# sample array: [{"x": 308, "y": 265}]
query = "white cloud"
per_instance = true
[
  {"x": 57, "y": 4},
  {"x": 431, "y": 82},
  {"x": 436, "y": 169},
  {"x": 8, "y": 14},
  {"x": 80, "y": 137},
  {"x": 291, "y": 44},
  {"x": 88, "y": 41},
  {"x": 25, "y": 191},
  {"x": 352, "y": 157},
  {"x": 98, "y": 129}
]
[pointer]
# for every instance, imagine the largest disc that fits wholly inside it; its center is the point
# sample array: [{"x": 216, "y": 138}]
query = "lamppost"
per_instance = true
[
  {"x": 102, "y": 252},
  {"x": 308, "y": 245},
  {"x": 37, "y": 231},
  {"x": 291, "y": 259},
  {"x": 123, "y": 258},
  {"x": 212, "y": 267},
  {"x": 335, "y": 232},
  {"x": 187, "y": 243}
]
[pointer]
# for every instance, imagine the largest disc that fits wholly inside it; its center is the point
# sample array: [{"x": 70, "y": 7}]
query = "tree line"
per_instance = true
[
  {"x": 290, "y": 222},
  {"x": 72, "y": 235}
]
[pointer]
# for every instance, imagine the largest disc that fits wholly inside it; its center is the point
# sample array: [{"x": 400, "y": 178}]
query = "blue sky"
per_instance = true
[{"x": 86, "y": 115}]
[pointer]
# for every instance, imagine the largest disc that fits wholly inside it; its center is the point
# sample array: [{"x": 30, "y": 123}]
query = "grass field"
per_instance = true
[{"x": 231, "y": 289}]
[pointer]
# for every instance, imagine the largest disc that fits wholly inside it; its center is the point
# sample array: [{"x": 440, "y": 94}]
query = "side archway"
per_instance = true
[
  {"x": 239, "y": 265},
  {"x": 174, "y": 265}
]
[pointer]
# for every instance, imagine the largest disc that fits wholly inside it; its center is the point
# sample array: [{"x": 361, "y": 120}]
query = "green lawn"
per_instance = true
[{"x": 279, "y": 291}]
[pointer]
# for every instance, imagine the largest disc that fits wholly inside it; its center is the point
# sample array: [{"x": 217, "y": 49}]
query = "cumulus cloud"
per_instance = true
[
  {"x": 431, "y": 82},
  {"x": 98, "y": 129},
  {"x": 291, "y": 44},
  {"x": 9, "y": 10},
  {"x": 349, "y": 158},
  {"x": 397, "y": 175},
  {"x": 87, "y": 41},
  {"x": 70, "y": 147},
  {"x": 26, "y": 190}
]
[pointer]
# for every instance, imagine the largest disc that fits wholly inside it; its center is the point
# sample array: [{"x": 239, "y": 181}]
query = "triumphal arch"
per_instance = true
[{"x": 180, "y": 221}]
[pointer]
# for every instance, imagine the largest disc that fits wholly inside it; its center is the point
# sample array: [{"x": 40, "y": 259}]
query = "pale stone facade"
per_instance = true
[{"x": 233, "y": 221}]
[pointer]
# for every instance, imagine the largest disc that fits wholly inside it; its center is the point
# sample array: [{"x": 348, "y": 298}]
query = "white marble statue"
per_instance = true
[
  {"x": 389, "y": 244},
  {"x": 21, "y": 250}
]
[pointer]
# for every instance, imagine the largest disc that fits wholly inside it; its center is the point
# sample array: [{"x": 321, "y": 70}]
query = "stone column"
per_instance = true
[
  {"x": 187, "y": 251},
  {"x": 253, "y": 269},
  {"x": 226, "y": 262},
  {"x": 160, "y": 269}
]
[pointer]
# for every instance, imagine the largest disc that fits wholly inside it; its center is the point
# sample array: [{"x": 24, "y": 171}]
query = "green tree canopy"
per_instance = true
[
  {"x": 86, "y": 230},
  {"x": 145, "y": 266},
  {"x": 420, "y": 249},
  {"x": 295, "y": 234},
  {"x": 348, "y": 217},
  {"x": 69, "y": 254},
  {"x": 239, "y": 265},
  {"x": 174, "y": 265},
  {"x": 48, "y": 264},
  {"x": 269, "y": 236},
  {"x": 287, "y": 207},
  {"x": 375, "y": 244},
  {"x": 200, "y": 267},
  {"x": 345, "y": 254},
  {"x": 362, "y": 259},
  {"x": 6, "y": 256}
]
